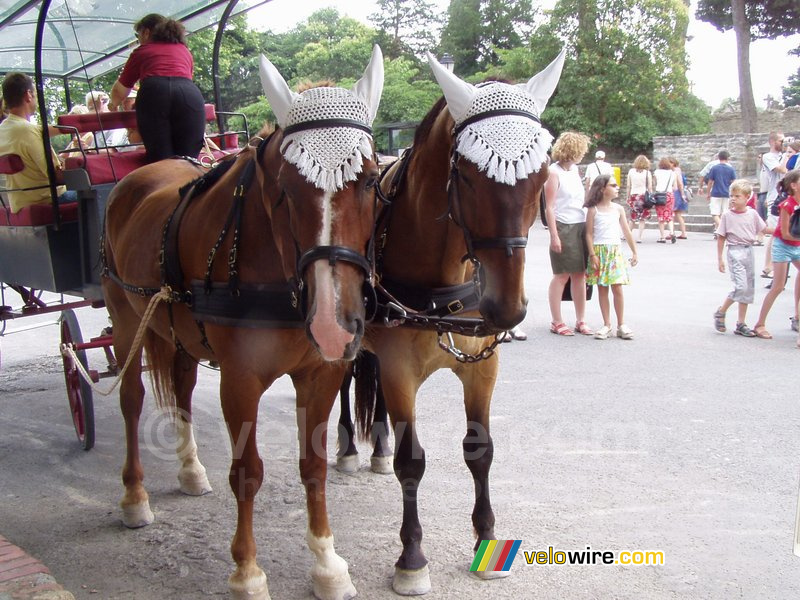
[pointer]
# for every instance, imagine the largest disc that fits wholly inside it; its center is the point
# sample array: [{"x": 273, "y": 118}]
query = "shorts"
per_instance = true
[
  {"x": 681, "y": 204},
  {"x": 717, "y": 206},
  {"x": 741, "y": 265},
  {"x": 573, "y": 256},
  {"x": 783, "y": 252}
]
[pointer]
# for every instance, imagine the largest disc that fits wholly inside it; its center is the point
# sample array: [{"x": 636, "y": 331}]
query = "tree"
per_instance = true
[
  {"x": 625, "y": 79},
  {"x": 791, "y": 91},
  {"x": 461, "y": 36},
  {"x": 406, "y": 27},
  {"x": 750, "y": 19}
]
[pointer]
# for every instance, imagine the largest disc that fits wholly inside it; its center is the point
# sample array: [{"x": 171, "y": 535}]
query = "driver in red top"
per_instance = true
[{"x": 170, "y": 109}]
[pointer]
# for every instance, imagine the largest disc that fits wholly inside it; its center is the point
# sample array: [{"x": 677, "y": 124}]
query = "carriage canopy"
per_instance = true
[{"x": 86, "y": 38}]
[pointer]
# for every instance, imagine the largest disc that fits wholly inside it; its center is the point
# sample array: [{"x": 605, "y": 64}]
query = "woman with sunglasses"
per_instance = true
[{"x": 170, "y": 110}]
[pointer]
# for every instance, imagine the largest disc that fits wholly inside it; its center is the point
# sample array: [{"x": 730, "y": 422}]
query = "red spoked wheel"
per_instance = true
[{"x": 79, "y": 393}]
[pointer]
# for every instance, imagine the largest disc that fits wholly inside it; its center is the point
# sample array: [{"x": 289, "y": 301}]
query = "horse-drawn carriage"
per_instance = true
[
  {"x": 49, "y": 255},
  {"x": 291, "y": 257}
]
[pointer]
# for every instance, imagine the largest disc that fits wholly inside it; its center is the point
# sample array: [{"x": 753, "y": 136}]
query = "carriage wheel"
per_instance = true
[{"x": 79, "y": 392}]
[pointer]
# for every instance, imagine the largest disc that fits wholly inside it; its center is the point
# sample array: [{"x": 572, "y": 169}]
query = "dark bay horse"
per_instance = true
[
  {"x": 266, "y": 262},
  {"x": 461, "y": 203}
]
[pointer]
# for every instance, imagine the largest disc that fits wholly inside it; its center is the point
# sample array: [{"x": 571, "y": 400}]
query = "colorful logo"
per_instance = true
[{"x": 495, "y": 555}]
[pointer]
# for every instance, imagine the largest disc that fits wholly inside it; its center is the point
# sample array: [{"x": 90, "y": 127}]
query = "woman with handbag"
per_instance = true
[
  {"x": 664, "y": 199},
  {"x": 566, "y": 216},
  {"x": 640, "y": 186},
  {"x": 785, "y": 249}
]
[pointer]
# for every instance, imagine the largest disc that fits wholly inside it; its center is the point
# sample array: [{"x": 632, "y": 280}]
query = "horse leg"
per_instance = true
[
  {"x": 192, "y": 474},
  {"x": 347, "y": 456},
  {"x": 381, "y": 459},
  {"x": 135, "y": 503},
  {"x": 411, "y": 574},
  {"x": 316, "y": 392},
  {"x": 240, "y": 393},
  {"x": 478, "y": 380}
]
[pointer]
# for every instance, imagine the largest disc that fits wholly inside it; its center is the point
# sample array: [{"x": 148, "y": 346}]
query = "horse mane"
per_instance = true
[{"x": 425, "y": 126}]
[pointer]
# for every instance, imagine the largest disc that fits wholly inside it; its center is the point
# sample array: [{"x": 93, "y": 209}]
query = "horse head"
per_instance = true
[
  {"x": 498, "y": 167},
  {"x": 323, "y": 181}
]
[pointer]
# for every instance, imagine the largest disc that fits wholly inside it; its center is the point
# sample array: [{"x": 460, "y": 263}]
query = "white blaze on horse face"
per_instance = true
[{"x": 328, "y": 333}]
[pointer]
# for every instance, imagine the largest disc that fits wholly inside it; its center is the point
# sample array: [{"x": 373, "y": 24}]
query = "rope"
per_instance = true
[{"x": 164, "y": 295}]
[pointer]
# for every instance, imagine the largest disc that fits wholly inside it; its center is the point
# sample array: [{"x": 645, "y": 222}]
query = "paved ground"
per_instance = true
[{"x": 682, "y": 440}]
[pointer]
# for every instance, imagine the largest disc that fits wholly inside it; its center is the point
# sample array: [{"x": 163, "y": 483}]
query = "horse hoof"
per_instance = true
[
  {"x": 348, "y": 464},
  {"x": 137, "y": 515},
  {"x": 412, "y": 582},
  {"x": 252, "y": 586},
  {"x": 194, "y": 483},
  {"x": 339, "y": 589},
  {"x": 382, "y": 464},
  {"x": 489, "y": 575}
]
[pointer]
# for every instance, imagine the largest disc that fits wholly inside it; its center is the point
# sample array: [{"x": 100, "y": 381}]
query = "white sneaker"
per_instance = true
[
  {"x": 602, "y": 333},
  {"x": 624, "y": 332}
]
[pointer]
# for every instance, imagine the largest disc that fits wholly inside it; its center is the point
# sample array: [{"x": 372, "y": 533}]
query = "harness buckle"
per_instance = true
[
  {"x": 455, "y": 306},
  {"x": 141, "y": 291}
]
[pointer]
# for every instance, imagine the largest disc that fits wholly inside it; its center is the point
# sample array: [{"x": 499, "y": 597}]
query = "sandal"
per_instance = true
[
  {"x": 744, "y": 330},
  {"x": 682, "y": 237},
  {"x": 719, "y": 321},
  {"x": 583, "y": 328},
  {"x": 762, "y": 332},
  {"x": 661, "y": 241},
  {"x": 561, "y": 329},
  {"x": 766, "y": 273},
  {"x": 793, "y": 323}
]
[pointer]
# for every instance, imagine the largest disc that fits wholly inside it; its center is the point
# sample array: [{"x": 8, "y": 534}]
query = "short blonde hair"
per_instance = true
[
  {"x": 95, "y": 97},
  {"x": 743, "y": 186},
  {"x": 641, "y": 163},
  {"x": 570, "y": 146}
]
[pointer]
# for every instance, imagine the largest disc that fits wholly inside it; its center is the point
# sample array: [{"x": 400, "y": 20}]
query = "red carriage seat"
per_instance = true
[
  {"x": 110, "y": 168},
  {"x": 37, "y": 214}
]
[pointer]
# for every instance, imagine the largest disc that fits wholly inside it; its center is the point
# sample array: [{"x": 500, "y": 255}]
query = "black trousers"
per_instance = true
[{"x": 170, "y": 112}]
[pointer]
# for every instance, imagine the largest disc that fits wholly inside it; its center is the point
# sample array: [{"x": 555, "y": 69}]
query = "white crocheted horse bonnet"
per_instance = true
[
  {"x": 507, "y": 147},
  {"x": 329, "y": 156}
]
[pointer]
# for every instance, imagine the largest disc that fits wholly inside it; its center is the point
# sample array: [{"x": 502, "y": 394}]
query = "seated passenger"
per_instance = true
[
  {"x": 121, "y": 140},
  {"x": 86, "y": 140},
  {"x": 97, "y": 102},
  {"x": 19, "y": 136}
]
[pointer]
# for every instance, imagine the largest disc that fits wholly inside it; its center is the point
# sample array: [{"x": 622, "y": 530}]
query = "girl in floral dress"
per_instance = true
[{"x": 605, "y": 226}]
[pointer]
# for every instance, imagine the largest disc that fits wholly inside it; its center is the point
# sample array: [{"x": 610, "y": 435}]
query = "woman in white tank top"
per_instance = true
[
  {"x": 639, "y": 181},
  {"x": 605, "y": 225},
  {"x": 564, "y": 196}
]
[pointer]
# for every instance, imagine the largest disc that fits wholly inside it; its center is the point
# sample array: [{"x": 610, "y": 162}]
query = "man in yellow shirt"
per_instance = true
[{"x": 19, "y": 136}]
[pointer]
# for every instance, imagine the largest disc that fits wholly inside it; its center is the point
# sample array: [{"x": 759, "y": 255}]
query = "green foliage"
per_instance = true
[
  {"x": 767, "y": 18},
  {"x": 624, "y": 81},
  {"x": 791, "y": 91},
  {"x": 477, "y": 29},
  {"x": 405, "y": 27}
]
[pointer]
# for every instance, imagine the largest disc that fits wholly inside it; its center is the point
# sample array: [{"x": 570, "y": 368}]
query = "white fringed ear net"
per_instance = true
[
  {"x": 507, "y": 147},
  {"x": 328, "y": 157}
]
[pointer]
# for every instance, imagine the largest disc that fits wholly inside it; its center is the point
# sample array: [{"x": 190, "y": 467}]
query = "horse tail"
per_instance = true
[
  {"x": 161, "y": 364},
  {"x": 365, "y": 374}
]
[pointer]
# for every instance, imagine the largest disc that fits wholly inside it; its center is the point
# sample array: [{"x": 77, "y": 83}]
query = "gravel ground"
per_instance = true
[{"x": 682, "y": 440}]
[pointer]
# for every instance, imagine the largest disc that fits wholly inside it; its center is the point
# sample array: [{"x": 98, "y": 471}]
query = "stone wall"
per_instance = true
[
  {"x": 694, "y": 151},
  {"x": 768, "y": 120}
]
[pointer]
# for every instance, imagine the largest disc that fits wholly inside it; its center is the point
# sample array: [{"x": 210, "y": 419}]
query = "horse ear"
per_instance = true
[
  {"x": 277, "y": 91},
  {"x": 542, "y": 85},
  {"x": 458, "y": 93},
  {"x": 370, "y": 87}
]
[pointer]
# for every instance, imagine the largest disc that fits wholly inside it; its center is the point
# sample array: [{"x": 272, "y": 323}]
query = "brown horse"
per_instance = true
[
  {"x": 478, "y": 158},
  {"x": 293, "y": 221}
]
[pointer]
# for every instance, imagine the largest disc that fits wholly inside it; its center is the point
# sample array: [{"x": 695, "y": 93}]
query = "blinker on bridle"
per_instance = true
[
  {"x": 503, "y": 243},
  {"x": 333, "y": 254}
]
